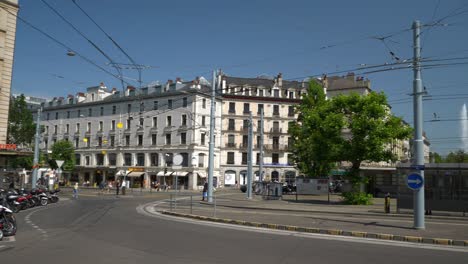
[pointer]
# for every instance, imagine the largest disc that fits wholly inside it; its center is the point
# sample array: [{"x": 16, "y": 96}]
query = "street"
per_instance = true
[{"x": 110, "y": 230}]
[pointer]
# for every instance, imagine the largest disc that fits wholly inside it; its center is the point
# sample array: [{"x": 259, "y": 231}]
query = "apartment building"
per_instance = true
[
  {"x": 277, "y": 98},
  {"x": 136, "y": 133}
]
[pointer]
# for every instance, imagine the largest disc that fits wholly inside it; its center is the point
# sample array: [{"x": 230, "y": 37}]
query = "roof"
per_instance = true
[{"x": 260, "y": 82}]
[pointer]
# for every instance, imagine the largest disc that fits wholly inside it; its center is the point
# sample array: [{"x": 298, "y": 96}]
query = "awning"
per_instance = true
[
  {"x": 135, "y": 174},
  {"x": 161, "y": 173},
  {"x": 201, "y": 174},
  {"x": 179, "y": 174}
]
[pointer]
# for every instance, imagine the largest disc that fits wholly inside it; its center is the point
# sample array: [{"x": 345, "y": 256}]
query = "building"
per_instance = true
[
  {"x": 8, "y": 12},
  {"x": 137, "y": 133},
  {"x": 33, "y": 103},
  {"x": 277, "y": 98}
]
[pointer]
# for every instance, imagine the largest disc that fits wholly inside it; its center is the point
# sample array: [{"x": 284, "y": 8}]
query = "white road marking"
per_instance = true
[{"x": 149, "y": 210}]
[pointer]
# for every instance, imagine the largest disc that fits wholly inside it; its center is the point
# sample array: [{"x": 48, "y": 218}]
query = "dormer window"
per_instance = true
[
  {"x": 70, "y": 100},
  {"x": 92, "y": 97}
]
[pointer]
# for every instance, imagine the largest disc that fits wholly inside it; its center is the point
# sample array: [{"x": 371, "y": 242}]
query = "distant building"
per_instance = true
[{"x": 33, "y": 103}]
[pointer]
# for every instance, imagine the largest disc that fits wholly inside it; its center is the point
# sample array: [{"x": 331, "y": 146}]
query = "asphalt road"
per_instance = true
[{"x": 109, "y": 230}]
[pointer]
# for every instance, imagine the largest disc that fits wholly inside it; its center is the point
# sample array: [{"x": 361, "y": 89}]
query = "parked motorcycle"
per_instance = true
[
  {"x": 40, "y": 196},
  {"x": 53, "y": 196},
  {"x": 7, "y": 222}
]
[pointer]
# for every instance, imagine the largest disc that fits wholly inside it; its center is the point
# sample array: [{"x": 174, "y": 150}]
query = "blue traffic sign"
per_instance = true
[{"x": 415, "y": 181}]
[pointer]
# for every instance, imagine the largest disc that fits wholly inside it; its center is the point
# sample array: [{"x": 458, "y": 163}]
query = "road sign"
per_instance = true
[
  {"x": 415, "y": 181},
  {"x": 417, "y": 167},
  {"x": 59, "y": 163}
]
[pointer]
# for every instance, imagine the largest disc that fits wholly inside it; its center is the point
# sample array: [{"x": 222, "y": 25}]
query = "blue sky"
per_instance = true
[{"x": 250, "y": 38}]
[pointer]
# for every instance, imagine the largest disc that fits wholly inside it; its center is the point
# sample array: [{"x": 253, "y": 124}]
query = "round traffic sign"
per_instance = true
[{"x": 415, "y": 181}]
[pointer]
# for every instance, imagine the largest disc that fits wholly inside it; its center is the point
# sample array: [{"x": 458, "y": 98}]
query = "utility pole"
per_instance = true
[
  {"x": 260, "y": 165},
  {"x": 212, "y": 128},
  {"x": 36, "y": 147},
  {"x": 418, "y": 161},
  {"x": 249, "y": 159}
]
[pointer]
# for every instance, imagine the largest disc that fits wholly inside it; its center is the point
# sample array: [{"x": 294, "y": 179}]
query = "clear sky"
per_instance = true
[{"x": 251, "y": 38}]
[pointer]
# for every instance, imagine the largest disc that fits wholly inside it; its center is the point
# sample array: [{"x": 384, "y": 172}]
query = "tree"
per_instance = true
[
  {"x": 459, "y": 156},
  {"x": 435, "y": 157},
  {"x": 63, "y": 150},
  {"x": 368, "y": 130},
  {"x": 316, "y": 133},
  {"x": 21, "y": 128}
]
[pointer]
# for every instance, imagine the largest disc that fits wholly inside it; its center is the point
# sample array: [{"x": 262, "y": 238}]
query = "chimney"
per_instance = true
[
  {"x": 178, "y": 80},
  {"x": 170, "y": 81},
  {"x": 280, "y": 79},
  {"x": 101, "y": 85},
  {"x": 114, "y": 90}
]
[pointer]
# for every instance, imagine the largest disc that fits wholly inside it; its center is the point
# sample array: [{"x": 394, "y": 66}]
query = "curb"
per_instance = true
[{"x": 335, "y": 232}]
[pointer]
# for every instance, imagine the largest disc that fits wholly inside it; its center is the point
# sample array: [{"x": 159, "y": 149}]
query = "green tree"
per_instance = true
[
  {"x": 368, "y": 130},
  {"x": 316, "y": 133},
  {"x": 63, "y": 150},
  {"x": 435, "y": 157},
  {"x": 21, "y": 128},
  {"x": 459, "y": 156},
  {"x": 25, "y": 162}
]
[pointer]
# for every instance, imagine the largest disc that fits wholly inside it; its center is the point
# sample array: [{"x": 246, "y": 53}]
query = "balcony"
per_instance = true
[
  {"x": 276, "y": 113},
  {"x": 276, "y": 130},
  {"x": 244, "y": 129},
  {"x": 246, "y": 112},
  {"x": 232, "y": 111},
  {"x": 231, "y": 145},
  {"x": 243, "y": 146},
  {"x": 275, "y": 147}
]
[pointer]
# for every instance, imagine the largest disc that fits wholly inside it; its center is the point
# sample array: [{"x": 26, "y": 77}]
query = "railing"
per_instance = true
[
  {"x": 231, "y": 145},
  {"x": 276, "y": 130}
]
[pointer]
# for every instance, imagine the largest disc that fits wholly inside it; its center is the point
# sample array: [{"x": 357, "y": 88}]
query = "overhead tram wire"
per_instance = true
[
  {"x": 119, "y": 71},
  {"x": 137, "y": 67},
  {"x": 66, "y": 47}
]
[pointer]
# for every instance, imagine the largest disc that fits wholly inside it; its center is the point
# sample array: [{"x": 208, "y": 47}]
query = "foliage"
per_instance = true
[
  {"x": 368, "y": 129},
  {"x": 21, "y": 128},
  {"x": 459, "y": 156},
  {"x": 435, "y": 157},
  {"x": 357, "y": 198},
  {"x": 63, "y": 150},
  {"x": 25, "y": 162},
  {"x": 315, "y": 133}
]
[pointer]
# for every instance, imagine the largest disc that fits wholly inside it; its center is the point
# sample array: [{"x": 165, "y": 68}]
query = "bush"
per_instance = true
[{"x": 357, "y": 198}]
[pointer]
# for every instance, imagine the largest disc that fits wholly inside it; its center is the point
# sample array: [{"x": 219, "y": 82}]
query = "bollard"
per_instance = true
[
  {"x": 170, "y": 202},
  {"x": 214, "y": 205},
  {"x": 387, "y": 203},
  {"x": 191, "y": 204}
]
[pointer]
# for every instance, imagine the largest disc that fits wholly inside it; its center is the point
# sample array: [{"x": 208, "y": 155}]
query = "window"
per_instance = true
[
  {"x": 231, "y": 139},
  {"x": 290, "y": 159},
  {"x": 230, "y": 158},
  {"x": 100, "y": 141},
  {"x": 203, "y": 139},
  {"x": 168, "y": 139},
  {"x": 154, "y": 158},
  {"x": 140, "y": 140},
  {"x": 113, "y": 125},
  {"x": 88, "y": 142},
  {"x": 155, "y": 105},
  {"x": 260, "y": 109},
  {"x": 46, "y": 143},
  {"x": 184, "y": 102},
  {"x": 204, "y": 103},
  {"x": 232, "y": 108},
  {"x": 276, "y": 128},
  {"x": 259, "y": 139},
  {"x": 257, "y": 161},
  {"x": 259, "y": 125},
  {"x": 77, "y": 159},
  {"x": 201, "y": 160},
  {"x": 127, "y": 140},
  {"x": 102, "y": 111},
  {"x": 79, "y": 113},
  {"x": 244, "y": 157},
  {"x": 276, "y": 110},
  {"x": 291, "y": 95},
  {"x": 168, "y": 158},
  {"x": 112, "y": 159},
  {"x": 245, "y": 125},
  {"x": 290, "y": 142},
  {"x": 87, "y": 160},
  {"x": 246, "y": 108},
  {"x": 67, "y": 128},
  {"x": 129, "y": 123},
  {"x": 155, "y": 122},
  {"x": 260, "y": 92},
  {"x": 183, "y": 138},
  {"x": 68, "y": 114},
  {"x": 169, "y": 104},
  {"x": 140, "y": 159},
  {"x": 276, "y": 93},
  {"x": 203, "y": 121},
  {"x": 77, "y": 142},
  {"x": 154, "y": 139},
  {"x": 55, "y": 129},
  {"x": 129, "y": 108},
  {"x": 88, "y": 127},
  {"x": 127, "y": 159},
  {"x": 114, "y": 109},
  {"x": 290, "y": 110},
  {"x": 48, "y": 116},
  {"x": 90, "y": 112},
  {"x": 112, "y": 141},
  {"x": 275, "y": 142},
  {"x": 275, "y": 158},
  {"x": 185, "y": 159},
  {"x": 142, "y": 122},
  {"x": 169, "y": 121},
  {"x": 231, "y": 124},
  {"x": 184, "y": 120},
  {"x": 245, "y": 141},
  {"x": 101, "y": 126},
  {"x": 92, "y": 97},
  {"x": 142, "y": 107},
  {"x": 57, "y": 115}
]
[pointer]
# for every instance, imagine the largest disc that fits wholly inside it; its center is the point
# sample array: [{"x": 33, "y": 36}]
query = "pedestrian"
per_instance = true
[
  {"x": 205, "y": 191},
  {"x": 117, "y": 187},
  {"x": 75, "y": 191}
]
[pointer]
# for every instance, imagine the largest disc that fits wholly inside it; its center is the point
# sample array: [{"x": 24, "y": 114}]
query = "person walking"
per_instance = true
[
  {"x": 117, "y": 187},
  {"x": 205, "y": 191},
  {"x": 75, "y": 191}
]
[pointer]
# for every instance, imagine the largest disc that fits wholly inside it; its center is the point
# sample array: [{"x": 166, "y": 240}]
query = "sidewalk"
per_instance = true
[{"x": 314, "y": 212}]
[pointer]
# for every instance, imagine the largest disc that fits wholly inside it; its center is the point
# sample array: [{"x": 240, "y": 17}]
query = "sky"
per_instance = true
[{"x": 252, "y": 38}]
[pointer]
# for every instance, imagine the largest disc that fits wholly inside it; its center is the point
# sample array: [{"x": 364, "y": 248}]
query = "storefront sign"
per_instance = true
[
  {"x": 137, "y": 169},
  {"x": 8, "y": 146}
]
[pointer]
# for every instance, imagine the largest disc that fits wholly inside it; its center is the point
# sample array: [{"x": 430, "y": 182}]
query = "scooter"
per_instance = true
[
  {"x": 7, "y": 222},
  {"x": 53, "y": 196}
]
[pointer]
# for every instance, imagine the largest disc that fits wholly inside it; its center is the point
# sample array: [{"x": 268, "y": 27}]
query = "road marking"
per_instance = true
[{"x": 149, "y": 210}]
